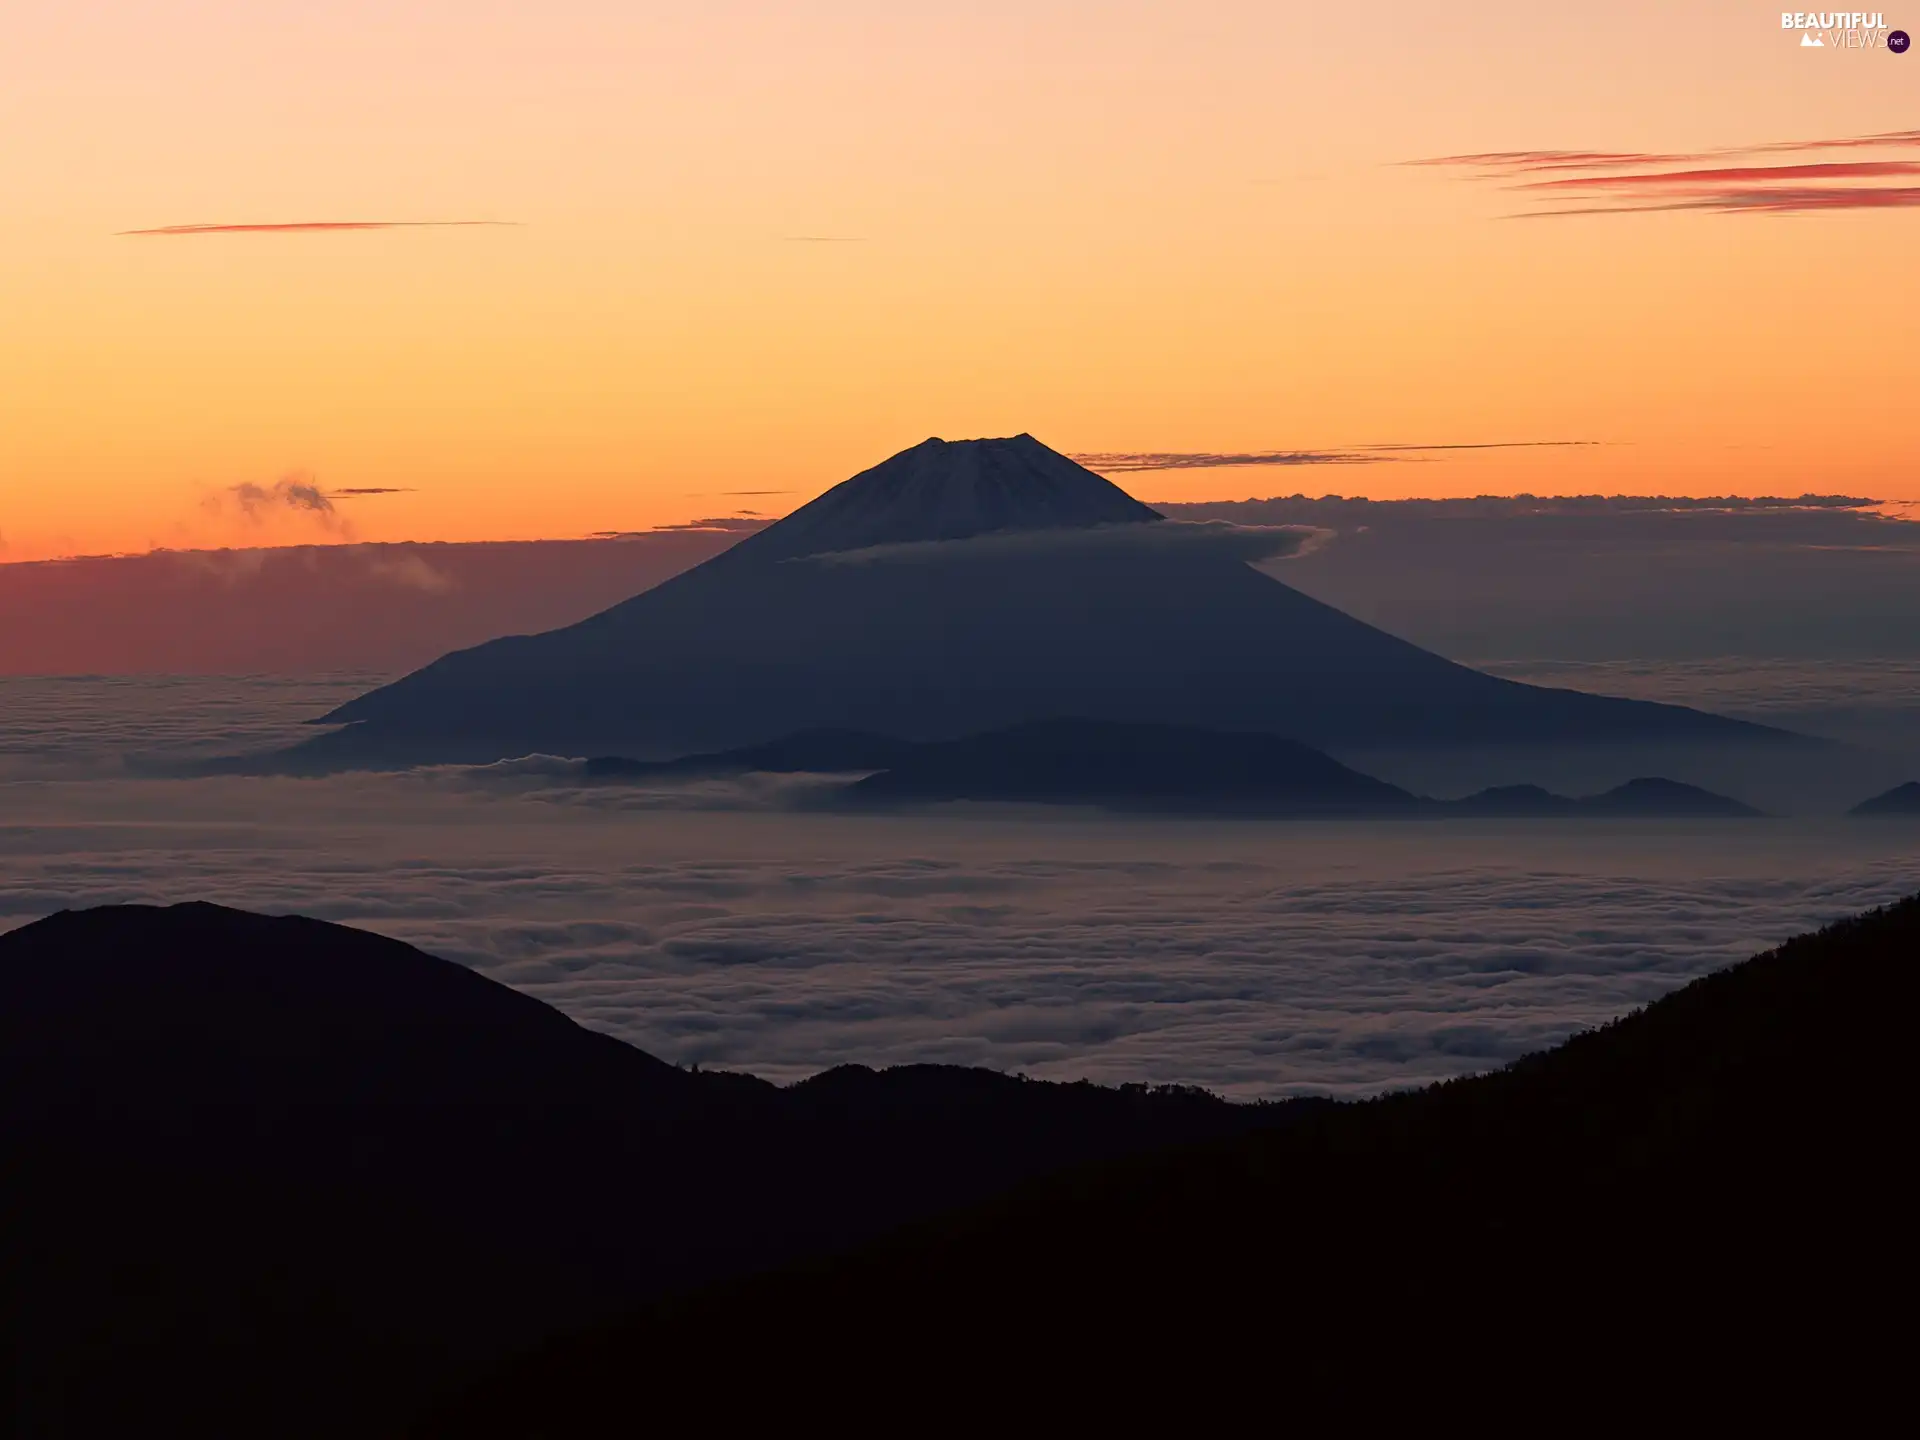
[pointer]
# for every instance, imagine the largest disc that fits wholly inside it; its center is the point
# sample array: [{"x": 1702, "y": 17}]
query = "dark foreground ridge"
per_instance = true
[
  {"x": 1901, "y": 800},
  {"x": 271, "y": 1176},
  {"x": 965, "y": 586},
  {"x": 1714, "y": 1180}
]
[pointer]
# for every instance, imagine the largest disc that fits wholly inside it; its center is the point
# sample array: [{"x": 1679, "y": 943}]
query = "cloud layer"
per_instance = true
[
  {"x": 1259, "y": 959},
  {"x": 1216, "y": 537}
]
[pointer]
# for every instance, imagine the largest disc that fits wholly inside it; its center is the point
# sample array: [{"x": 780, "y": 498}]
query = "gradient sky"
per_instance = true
[{"x": 755, "y": 247}]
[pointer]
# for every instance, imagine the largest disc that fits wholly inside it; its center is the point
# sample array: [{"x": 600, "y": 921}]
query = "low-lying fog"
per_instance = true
[{"x": 706, "y": 924}]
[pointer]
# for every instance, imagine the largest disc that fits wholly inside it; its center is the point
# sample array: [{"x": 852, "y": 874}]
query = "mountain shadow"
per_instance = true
[
  {"x": 1705, "y": 1189},
  {"x": 270, "y": 1176},
  {"x": 1901, "y": 800},
  {"x": 959, "y": 587}
]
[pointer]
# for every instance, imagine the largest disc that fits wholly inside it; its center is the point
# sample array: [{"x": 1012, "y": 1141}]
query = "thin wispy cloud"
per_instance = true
[
  {"x": 296, "y": 496},
  {"x": 1854, "y": 142},
  {"x": 744, "y": 524},
  {"x": 1109, "y": 462},
  {"x": 1607, "y": 182},
  {"x": 1524, "y": 161},
  {"x": 1740, "y": 174},
  {"x": 1118, "y": 463},
  {"x": 294, "y": 492},
  {"x": 304, "y": 227},
  {"x": 1757, "y": 201}
]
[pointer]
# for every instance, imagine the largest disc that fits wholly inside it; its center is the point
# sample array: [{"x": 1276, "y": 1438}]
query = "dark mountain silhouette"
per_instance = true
[
  {"x": 1515, "y": 800},
  {"x": 942, "y": 490},
  {"x": 1901, "y": 800},
  {"x": 1163, "y": 769},
  {"x": 1142, "y": 767},
  {"x": 277, "y": 1177},
  {"x": 1701, "y": 1192},
  {"x": 1649, "y": 796},
  {"x": 1653, "y": 795},
  {"x": 960, "y": 587}
]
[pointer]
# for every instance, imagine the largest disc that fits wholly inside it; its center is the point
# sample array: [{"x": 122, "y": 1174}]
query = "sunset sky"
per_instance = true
[{"x": 749, "y": 248}]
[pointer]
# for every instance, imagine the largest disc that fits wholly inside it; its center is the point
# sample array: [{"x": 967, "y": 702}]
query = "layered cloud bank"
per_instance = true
[
  {"x": 1259, "y": 961},
  {"x": 315, "y": 608},
  {"x": 1586, "y": 578},
  {"x": 1219, "y": 538},
  {"x": 705, "y": 925}
]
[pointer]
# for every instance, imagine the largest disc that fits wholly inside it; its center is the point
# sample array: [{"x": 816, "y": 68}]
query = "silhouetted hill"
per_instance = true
[
  {"x": 959, "y": 587},
  {"x": 1650, "y": 797},
  {"x": 1514, "y": 800},
  {"x": 278, "y": 1177},
  {"x": 1143, "y": 767},
  {"x": 1901, "y": 800},
  {"x": 1166, "y": 769},
  {"x": 1710, "y": 1186}
]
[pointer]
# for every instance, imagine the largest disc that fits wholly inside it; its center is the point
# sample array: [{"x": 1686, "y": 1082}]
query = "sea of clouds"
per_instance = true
[{"x": 711, "y": 923}]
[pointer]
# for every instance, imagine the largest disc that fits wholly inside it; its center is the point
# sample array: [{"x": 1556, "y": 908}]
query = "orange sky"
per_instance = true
[{"x": 1123, "y": 227}]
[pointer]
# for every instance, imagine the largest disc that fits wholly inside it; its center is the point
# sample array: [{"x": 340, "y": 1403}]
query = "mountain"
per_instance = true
[
  {"x": 951, "y": 490},
  {"x": 958, "y": 587},
  {"x": 1708, "y": 1194},
  {"x": 1901, "y": 800},
  {"x": 1653, "y": 795},
  {"x": 1516, "y": 801},
  {"x": 1138, "y": 767},
  {"x": 1649, "y": 796},
  {"x": 271, "y": 1176},
  {"x": 1158, "y": 769}
]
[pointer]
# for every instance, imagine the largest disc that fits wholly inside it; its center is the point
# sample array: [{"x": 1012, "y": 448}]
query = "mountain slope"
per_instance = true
[
  {"x": 959, "y": 587},
  {"x": 949, "y": 490},
  {"x": 1901, "y": 800},
  {"x": 1648, "y": 797},
  {"x": 274, "y": 1176},
  {"x": 1722, "y": 1170},
  {"x": 1143, "y": 767}
]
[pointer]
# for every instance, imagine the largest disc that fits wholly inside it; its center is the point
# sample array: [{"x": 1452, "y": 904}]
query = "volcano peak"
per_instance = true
[{"x": 952, "y": 490}]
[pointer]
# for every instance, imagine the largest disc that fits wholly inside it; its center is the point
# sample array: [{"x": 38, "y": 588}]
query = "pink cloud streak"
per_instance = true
[
  {"x": 307, "y": 227},
  {"x": 1629, "y": 182}
]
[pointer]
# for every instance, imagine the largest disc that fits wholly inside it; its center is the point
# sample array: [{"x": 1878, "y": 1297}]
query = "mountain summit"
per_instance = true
[
  {"x": 951, "y": 490},
  {"x": 967, "y": 586}
]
